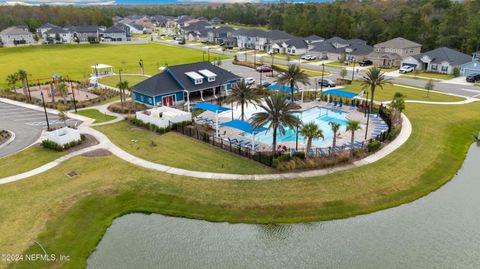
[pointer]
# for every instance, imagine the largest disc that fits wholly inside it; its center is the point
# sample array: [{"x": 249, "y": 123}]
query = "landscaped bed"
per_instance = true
[
  {"x": 178, "y": 151},
  {"x": 107, "y": 187}
]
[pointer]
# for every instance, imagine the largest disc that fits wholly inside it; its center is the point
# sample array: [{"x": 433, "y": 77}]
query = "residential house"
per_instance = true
[
  {"x": 220, "y": 35},
  {"x": 294, "y": 46},
  {"x": 42, "y": 29},
  {"x": 313, "y": 39},
  {"x": 217, "y": 20},
  {"x": 58, "y": 35},
  {"x": 181, "y": 83},
  {"x": 135, "y": 28},
  {"x": 125, "y": 28},
  {"x": 339, "y": 49},
  {"x": 266, "y": 41},
  {"x": 160, "y": 20},
  {"x": 115, "y": 34},
  {"x": 85, "y": 33},
  {"x": 247, "y": 38},
  {"x": 197, "y": 31},
  {"x": 16, "y": 35},
  {"x": 440, "y": 60},
  {"x": 472, "y": 67},
  {"x": 390, "y": 53}
]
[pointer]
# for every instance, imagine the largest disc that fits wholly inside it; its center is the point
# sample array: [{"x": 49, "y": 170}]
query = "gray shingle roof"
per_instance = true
[
  {"x": 16, "y": 30},
  {"x": 114, "y": 30},
  {"x": 398, "y": 43},
  {"x": 173, "y": 79},
  {"x": 444, "y": 54},
  {"x": 56, "y": 30},
  {"x": 85, "y": 29},
  {"x": 313, "y": 38},
  {"x": 297, "y": 42},
  {"x": 357, "y": 46},
  {"x": 278, "y": 35}
]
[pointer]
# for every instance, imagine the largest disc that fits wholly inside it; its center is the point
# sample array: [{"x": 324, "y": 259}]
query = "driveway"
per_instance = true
[{"x": 27, "y": 125}]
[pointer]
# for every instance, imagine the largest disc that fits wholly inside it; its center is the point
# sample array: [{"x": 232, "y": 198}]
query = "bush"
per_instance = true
[
  {"x": 300, "y": 155},
  {"x": 286, "y": 163},
  {"x": 52, "y": 145},
  {"x": 374, "y": 146},
  {"x": 127, "y": 108},
  {"x": 456, "y": 71},
  {"x": 393, "y": 134}
]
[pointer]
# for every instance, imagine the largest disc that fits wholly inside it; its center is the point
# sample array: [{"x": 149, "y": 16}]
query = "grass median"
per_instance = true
[
  {"x": 96, "y": 115},
  {"x": 107, "y": 187}
]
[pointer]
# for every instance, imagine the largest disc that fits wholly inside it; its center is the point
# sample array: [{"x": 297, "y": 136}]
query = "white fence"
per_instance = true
[
  {"x": 64, "y": 136},
  {"x": 163, "y": 116}
]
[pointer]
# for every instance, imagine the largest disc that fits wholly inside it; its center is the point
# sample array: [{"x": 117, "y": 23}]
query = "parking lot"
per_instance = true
[{"x": 26, "y": 124}]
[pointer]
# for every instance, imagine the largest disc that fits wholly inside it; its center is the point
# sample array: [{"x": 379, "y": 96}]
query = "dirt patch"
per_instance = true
[
  {"x": 88, "y": 142},
  {"x": 97, "y": 153}
]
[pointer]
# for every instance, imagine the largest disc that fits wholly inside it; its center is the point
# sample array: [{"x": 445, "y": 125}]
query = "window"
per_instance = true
[
  {"x": 434, "y": 67},
  {"x": 444, "y": 68},
  {"x": 141, "y": 98},
  {"x": 210, "y": 79},
  {"x": 198, "y": 81},
  {"x": 149, "y": 100}
]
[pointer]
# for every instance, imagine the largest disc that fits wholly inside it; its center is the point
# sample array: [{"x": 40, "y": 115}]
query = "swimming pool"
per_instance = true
[{"x": 321, "y": 116}]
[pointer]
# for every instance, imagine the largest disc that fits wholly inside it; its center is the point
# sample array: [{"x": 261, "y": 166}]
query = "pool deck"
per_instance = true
[{"x": 343, "y": 138}]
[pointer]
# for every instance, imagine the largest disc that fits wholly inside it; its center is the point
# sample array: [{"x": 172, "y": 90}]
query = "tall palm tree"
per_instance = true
[
  {"x": 353, "y": 126},
  {"x": 22, "y": 76},
  {"x": 311, "y": 131},
  {"x": 278, "y": 114},
  {"x": 292, "y": 77},
  {"x": 398, "y": 104},
  {"x": 243, "y": 95},
  {"x": 12, "y": 80},
  {"x": 335, "y": 127},
  {"x": 62, "y": 88},
  {"x": 122, "y": 86},
  {"x": 373, "y": 78}
]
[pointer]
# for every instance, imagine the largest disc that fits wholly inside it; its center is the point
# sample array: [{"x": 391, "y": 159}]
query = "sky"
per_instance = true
[{"x": 135, "y": 2}]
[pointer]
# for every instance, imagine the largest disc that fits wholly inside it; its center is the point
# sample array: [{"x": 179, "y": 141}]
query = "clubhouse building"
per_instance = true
[{"x": 180, "y": 83}]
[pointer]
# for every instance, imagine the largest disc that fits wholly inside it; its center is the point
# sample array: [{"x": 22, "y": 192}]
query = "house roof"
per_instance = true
[
  {"x": 354, "y": 46},
  {"x": 56, "y": 30},
  {"x": 197, "y": 26},
  {"x": 314, "y": 38},
  {"x": 297, "y": 42},
  {"x": 250, "y": 32},
  {"x": 223, "y": 29},
  {"x": 278, "y": 35},
  {"x": 175, "y": 79},
  {"x": 444, "y": 54},
  {"x": 136, "y": 26},
  {"x": 47, "y": 25},
  {"x": 398, "y": 43},
  {"x": 16, "y": 30},
  {"x": 114, "y": 30},
  {"x": 85, "y": 29}
]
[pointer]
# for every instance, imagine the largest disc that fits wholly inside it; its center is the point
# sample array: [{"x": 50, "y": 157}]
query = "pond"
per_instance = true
[{"x": 440, "y": 230}]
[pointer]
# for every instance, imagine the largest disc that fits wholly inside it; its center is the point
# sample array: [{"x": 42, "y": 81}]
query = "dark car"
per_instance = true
[
  {"x": 264, "y": 84},
  {"x": 264, "y": 68},
  {"x": 473, "y": 78},
  {"x": 327, "y": 83},
  {"x": 365, "y": 63}
]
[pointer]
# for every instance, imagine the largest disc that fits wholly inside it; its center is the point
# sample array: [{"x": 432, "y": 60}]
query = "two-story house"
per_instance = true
[
  {"x": 391, "y": 53},
  {"x": 16, "y": 35}
]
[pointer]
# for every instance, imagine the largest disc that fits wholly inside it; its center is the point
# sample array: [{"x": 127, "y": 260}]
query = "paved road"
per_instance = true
[{"x": 27, "y": 124}]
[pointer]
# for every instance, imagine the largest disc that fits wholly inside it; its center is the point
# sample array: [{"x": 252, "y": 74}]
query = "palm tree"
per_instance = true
[
  {"x": 22, "y": 76},
  {"x": 62, "y": 115},
  {"x": 12, "y": 80},
  {"x": 398, "y": 104},
  {"x": 335, "y": 127},
  {"x": 292, "y": 77},
  {"x": 353, "y": 126},
  {"x": 243, "y": 95},
  {"x": 122, "y": 86},
  {"x": 278, "y": 114},
  {"x": 373, "y": 78},
  {"x": 429, "y": 86},
  {"x": 311, "y": 131},
  {"x": 62, "y": 88}
]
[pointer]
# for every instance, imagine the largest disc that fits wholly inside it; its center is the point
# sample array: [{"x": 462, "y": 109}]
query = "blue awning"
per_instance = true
[
  {"x": 276, "y": 87},
  {"x": 244, "y": 126},
  {"x": 340, "y": 93},
  {"x": 211, "y": 107}
]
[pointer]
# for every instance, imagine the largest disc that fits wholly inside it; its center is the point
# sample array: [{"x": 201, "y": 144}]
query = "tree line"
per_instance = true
[{"x": 433, "y": 23}]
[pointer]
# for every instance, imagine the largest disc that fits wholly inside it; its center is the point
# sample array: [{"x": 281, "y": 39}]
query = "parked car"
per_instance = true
[
  {"x": 327, "y": 83},
  {"x": 264, "y": 84},
  {"x": 309, "y": 57},
  {"x": 406, "y": 69},
  {"x": 473, "y": 78},
  {"x": 249, "y": 81},
  {"x": 264, "y": 68},
  {"x": 365, "y": 63}
]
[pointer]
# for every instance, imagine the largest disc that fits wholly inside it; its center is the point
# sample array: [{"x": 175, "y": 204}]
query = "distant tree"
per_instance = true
[
  {"x": 398, "y": 105},
  {"x": 429, "y": 86},
  {"x": 343, "y": 73},
  {"x": 22, "y": 76},
  {"x": 12, "y": 81},
  {"x": 62, "y": 115},
  {"x": 63, "y": 89},
  {"x": 122, "y": 86}
]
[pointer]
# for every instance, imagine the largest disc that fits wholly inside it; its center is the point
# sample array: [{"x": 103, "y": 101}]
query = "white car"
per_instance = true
[
  {"x": 249, "y": 81},
  {"x": 309, "y": 57},
  {"x": 406, "y": 69}
]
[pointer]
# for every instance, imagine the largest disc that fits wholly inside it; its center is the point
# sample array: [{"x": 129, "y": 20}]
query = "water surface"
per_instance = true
[{"x": 441, "y": 230}]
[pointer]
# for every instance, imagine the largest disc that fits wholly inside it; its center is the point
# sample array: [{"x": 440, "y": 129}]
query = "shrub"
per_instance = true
[
  {"x": 374, "y": 146},
  {"x": 456, "y": 71},
  {"x": 52, "y": 145},
  {"x": 294, "y": 163},
  {"x": 127, "y": 108},
  {"x": 393, "y": 134},
  {"x": 299, "y": 154}
]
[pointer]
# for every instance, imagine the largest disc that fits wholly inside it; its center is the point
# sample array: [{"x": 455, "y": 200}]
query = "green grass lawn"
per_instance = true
[
  {"x": 428, "y": 75},
  {"x": 178, "y": 151},
  {"x": 26, "y": 160},
  {"x": 386, "y": 94},
  {"x": 75, "y": 60},
  {"x": 242, "y": 26},
  {"x": 112, "y": 81},
  {"x": 107, "y": 187},
  {"x": 96, "y": 115}
]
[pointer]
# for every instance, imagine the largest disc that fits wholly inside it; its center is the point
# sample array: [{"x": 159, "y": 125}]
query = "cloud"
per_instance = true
[{"x": 57, "y": 2}]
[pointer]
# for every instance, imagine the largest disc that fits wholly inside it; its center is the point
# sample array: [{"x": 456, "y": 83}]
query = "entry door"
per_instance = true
[{"x": 167, "y": 100}]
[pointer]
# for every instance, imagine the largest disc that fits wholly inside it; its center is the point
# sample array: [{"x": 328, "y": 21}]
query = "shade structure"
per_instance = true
[
  {"x": 277, "y": 87},
  {"x": 101, "y": 66},
  {"x": 211, "y": 107},
  {"x": 246, "y": 127},
  {"x": 215, "y": 109},
  {"x": 339, "y": 93}
]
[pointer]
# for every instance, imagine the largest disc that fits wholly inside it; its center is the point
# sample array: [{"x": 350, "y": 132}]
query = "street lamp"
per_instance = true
[
  {"x": 321, "y": 82},
  {"x": 45, "y": 110},
  {"x": 208, "y": 50},
  {"x": 353, "y": 70}
]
